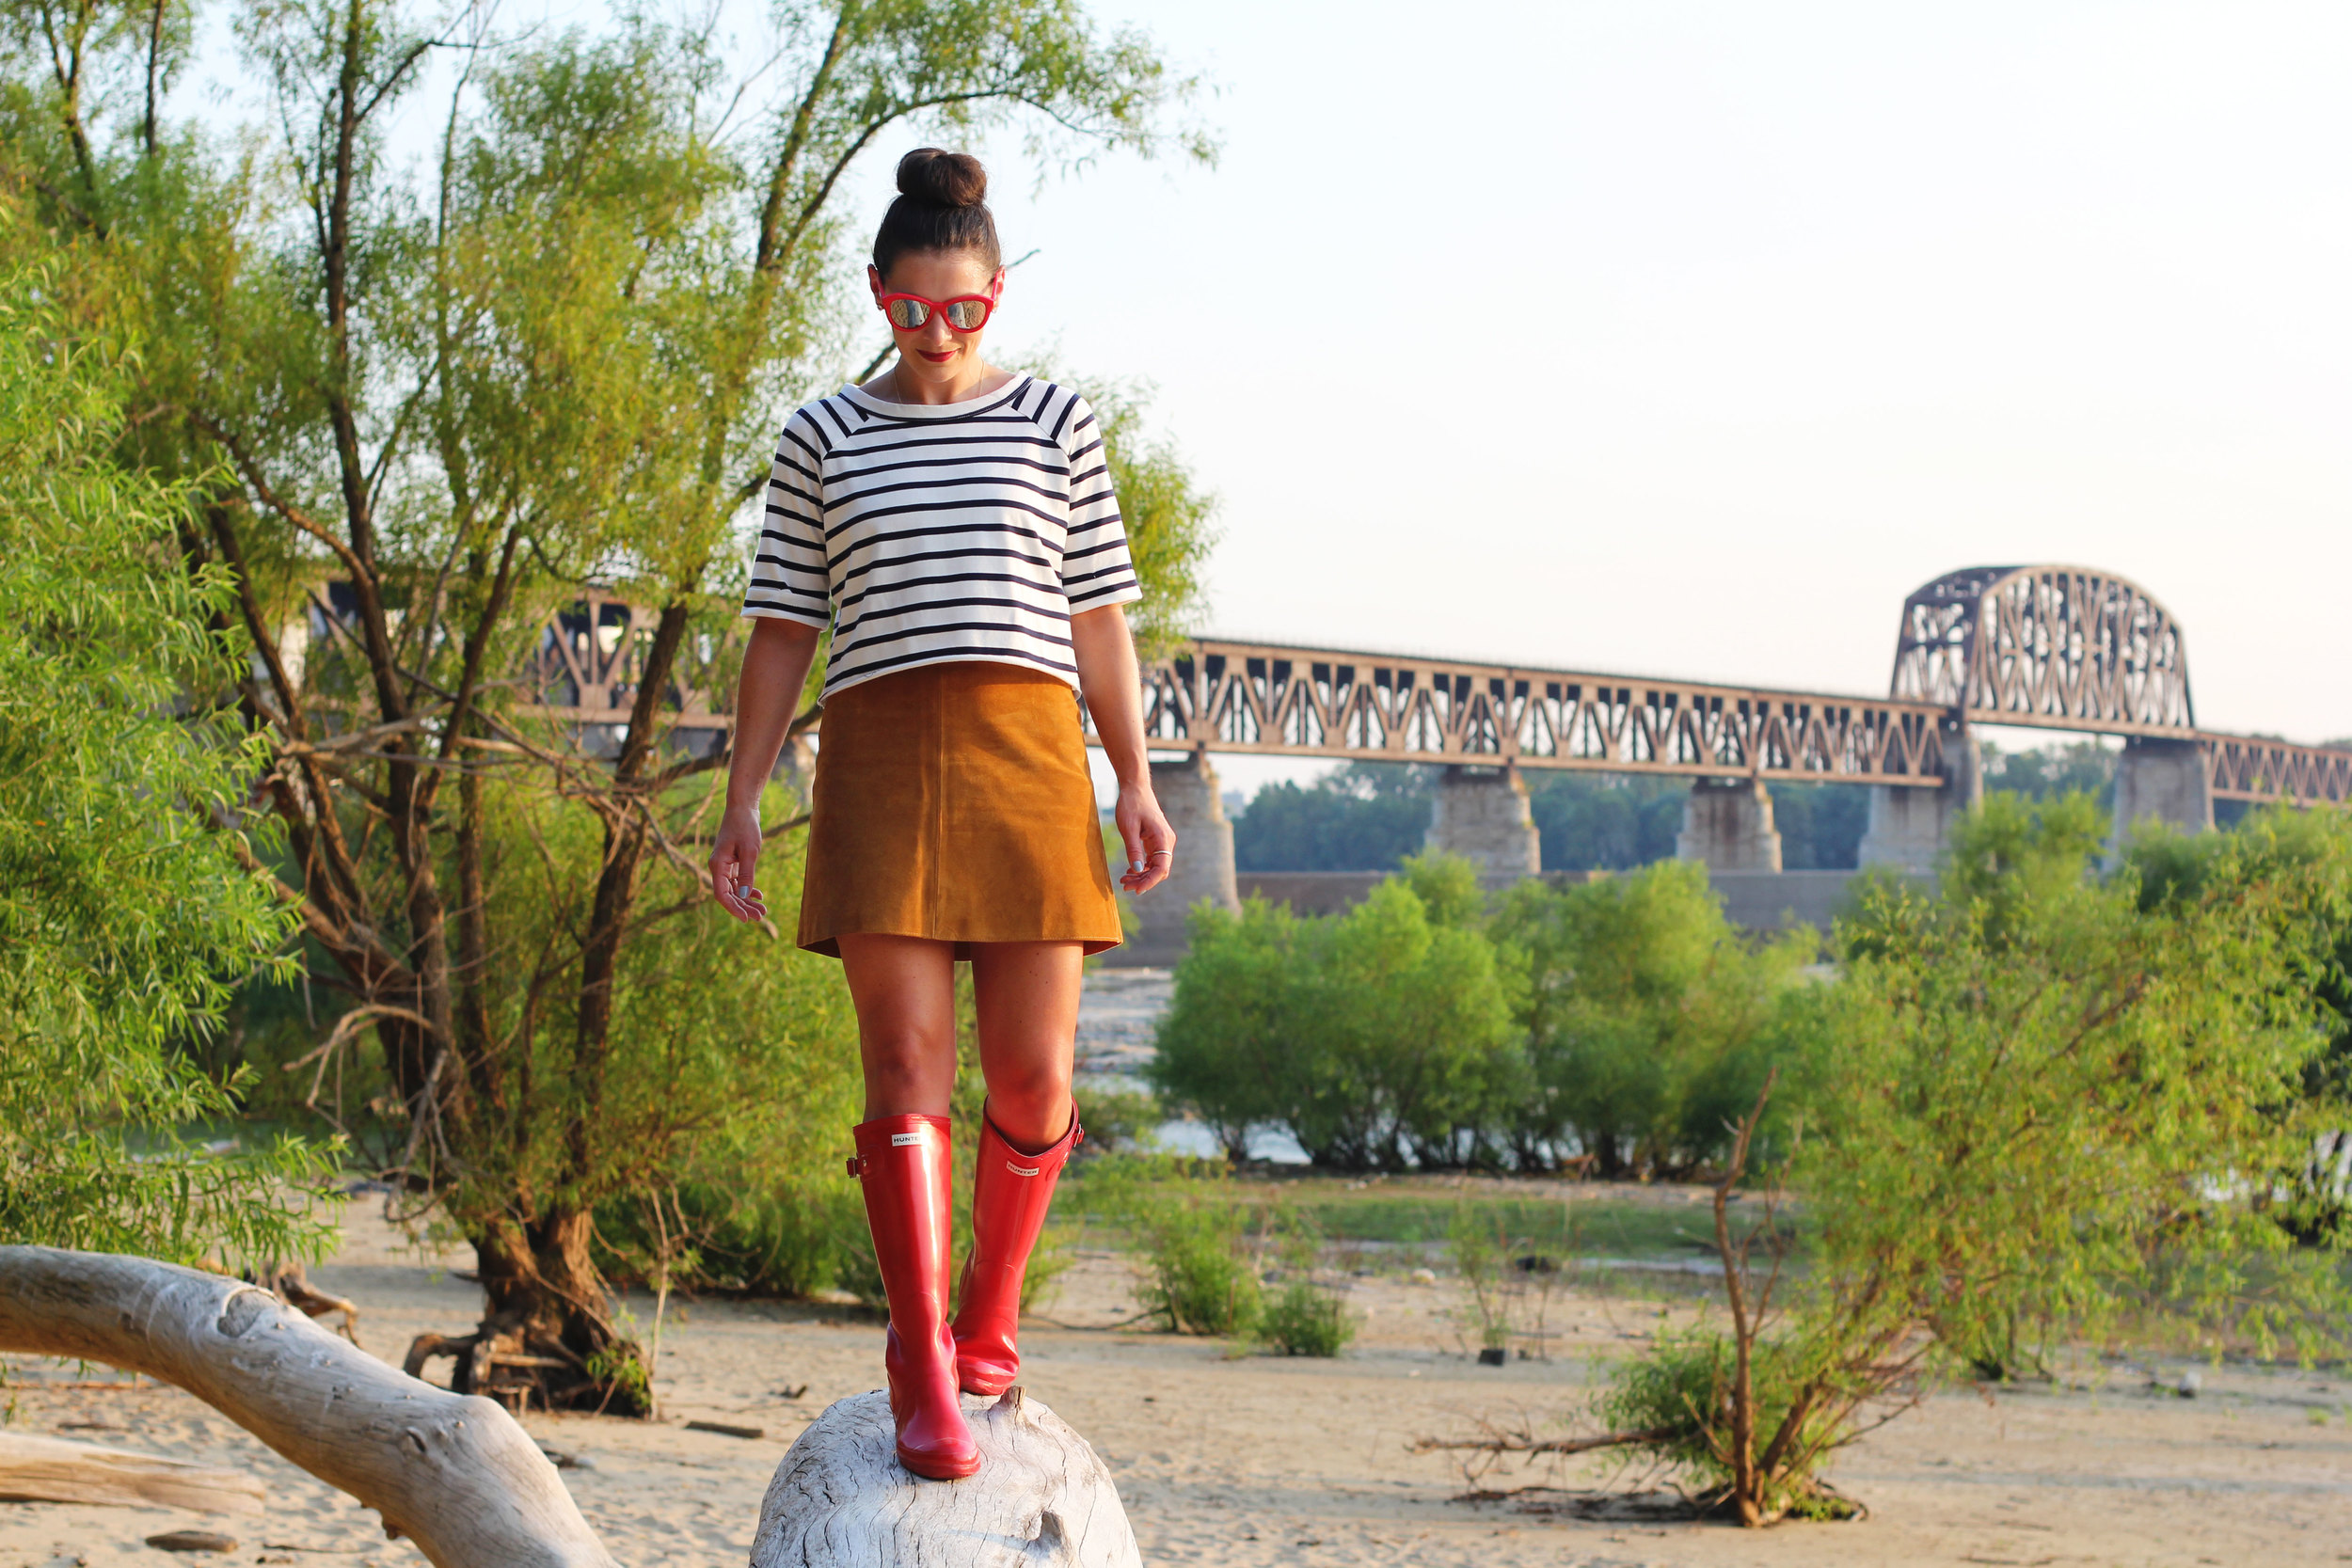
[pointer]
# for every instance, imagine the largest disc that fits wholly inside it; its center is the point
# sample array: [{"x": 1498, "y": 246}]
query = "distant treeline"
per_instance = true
[
  {"x": 1371, "y": 816},
  {"x": 1620, "y": 1026}
]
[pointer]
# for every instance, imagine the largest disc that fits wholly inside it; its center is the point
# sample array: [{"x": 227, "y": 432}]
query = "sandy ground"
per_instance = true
[{"x": 1254, "y": 1460}]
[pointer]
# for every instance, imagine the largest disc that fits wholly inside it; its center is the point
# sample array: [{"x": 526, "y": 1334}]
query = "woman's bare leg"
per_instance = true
[
  {"x": 905, "y": 993},
  {"x": 1028, "y": 993}
]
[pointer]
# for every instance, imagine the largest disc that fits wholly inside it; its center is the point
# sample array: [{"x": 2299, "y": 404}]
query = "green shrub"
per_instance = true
[
  {"x": 792, "y": 1239},
  {"x": 1305, "y": 1319},
  {"x": 1198, "y": 1278},
  {"x": 1477, "y": 1250},
  {"x": 1185, "y": 1233},
  {"x": 1680, "y": 1390},
  {"x": 1651, "y": 1020},
  {"x": 1223, "y": 1050},
  {"x": 1383, "y": 1036},
  {"x": 125, "y": 910}
]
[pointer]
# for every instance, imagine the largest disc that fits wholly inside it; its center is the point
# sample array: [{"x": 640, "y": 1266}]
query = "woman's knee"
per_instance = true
[
  {"x": 909, "y": 1066},
  {"x": 1030, "y": 1103}
]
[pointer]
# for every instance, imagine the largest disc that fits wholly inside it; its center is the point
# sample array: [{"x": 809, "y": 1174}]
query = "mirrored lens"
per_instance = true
[
  {"x": 908, "y": 314},
  {"x": 965, "y": 315}
]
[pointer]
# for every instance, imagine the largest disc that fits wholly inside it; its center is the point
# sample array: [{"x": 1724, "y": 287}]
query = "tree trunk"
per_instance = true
[
  {"x": 544, "y": 1338},
  {"x": 1042, "y": 1496},
  {"x": 454, "y": 1474}
]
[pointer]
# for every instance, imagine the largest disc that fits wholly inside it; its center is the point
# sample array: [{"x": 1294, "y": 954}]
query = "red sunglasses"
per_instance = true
[{"x": 912, "y": 312}]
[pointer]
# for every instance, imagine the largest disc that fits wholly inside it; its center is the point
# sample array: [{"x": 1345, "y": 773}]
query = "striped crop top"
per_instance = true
[{"x": 930, "y": 533}]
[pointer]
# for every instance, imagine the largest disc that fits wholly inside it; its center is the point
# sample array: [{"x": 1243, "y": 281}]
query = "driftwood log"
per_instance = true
[
  {"x": 52, "y": 1470},
  {"x": 453, "y": 1472},
  {"x": 1043, "y": 1496}
]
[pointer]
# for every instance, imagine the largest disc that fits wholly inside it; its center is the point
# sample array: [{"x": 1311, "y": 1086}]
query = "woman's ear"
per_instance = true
[
  {"x": 996, "y": 285},
  {"x": 874, "y": 282}
]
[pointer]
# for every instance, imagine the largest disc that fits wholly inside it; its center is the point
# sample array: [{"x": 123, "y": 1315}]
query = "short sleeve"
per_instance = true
[
  {"x": 789, "y": 580},
  {"x": 1097, "y": 568}
]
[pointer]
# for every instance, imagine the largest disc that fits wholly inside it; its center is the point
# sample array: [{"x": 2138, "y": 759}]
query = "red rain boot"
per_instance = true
[
  {"x": 1011, "y": 1192},
  {"x": 905, "y": 1169}
]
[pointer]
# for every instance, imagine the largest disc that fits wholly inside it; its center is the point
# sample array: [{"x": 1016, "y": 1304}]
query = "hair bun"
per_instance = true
[{"x": 942, "y": 178}]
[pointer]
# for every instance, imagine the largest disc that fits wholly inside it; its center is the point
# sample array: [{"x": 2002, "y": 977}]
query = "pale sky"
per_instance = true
[{"x": 1686, "y": 337}]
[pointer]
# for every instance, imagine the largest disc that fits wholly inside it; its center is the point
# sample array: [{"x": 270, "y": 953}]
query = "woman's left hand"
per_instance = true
[{"x": 1151, "y": 842}]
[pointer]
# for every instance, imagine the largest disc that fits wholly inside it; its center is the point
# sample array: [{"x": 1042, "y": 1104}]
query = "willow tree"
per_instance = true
[
  {"x": 443, "y": 399},
  {"x": 124, "y": 919}
]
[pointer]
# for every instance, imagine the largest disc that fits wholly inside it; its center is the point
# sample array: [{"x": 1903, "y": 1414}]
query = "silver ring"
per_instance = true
[{"x": 1157, "y": 853}]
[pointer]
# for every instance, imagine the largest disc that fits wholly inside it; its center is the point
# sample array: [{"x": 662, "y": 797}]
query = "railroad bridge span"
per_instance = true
[{"x": 2065, "y": 648}]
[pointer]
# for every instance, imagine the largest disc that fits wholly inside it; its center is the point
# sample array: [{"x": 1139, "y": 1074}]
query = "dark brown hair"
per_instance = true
[{"x": 942, "y": 205}]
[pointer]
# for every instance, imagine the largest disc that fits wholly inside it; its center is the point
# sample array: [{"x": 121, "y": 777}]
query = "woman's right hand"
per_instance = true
[{"x": 734, "y": 861}]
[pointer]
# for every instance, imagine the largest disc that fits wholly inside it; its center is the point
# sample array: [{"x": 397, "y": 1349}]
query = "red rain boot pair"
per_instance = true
[{"x": 905, "y": 1170}]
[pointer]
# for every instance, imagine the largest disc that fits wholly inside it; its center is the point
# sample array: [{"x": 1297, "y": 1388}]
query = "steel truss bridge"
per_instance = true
[{"x": 2051, "y": 647}]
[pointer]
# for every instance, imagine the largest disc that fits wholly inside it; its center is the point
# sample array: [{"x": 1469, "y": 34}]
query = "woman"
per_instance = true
[{"x": 954, "y": 523}]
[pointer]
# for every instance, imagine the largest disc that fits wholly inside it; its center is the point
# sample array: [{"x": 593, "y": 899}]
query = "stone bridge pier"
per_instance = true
[
  {"x": 2165, "y": 780},
  {"x": 1187, "y": 790},
  {"x": 1909, "y": 828},
  {"x": 1727, "y": 826},
  {"x": 1481, "y": 813}
]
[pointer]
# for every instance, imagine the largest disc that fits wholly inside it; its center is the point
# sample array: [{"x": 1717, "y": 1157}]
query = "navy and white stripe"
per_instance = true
[{"x": 925, "y": 534}]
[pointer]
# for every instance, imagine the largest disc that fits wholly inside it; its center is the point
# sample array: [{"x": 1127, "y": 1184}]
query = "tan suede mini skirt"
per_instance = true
[{"x": 953, "y": 802}]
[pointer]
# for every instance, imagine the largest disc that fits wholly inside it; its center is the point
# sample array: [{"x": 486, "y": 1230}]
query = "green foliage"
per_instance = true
[
  {"x": 1197, "y": 1280},
  {"x": 1679, "y": 1392},
  {"x": 1189, "y": 1236},
  {"x": 1225, "y": 1046},
  {"x": 1625, "y": 1018},
  {"x": 2050, "y": 1095},
  {"x": 1361, "y": 816},
  {"x": 2017, "y": 852},
  {"x": 788, "y": 1238},
  {"x": 1117, "y": 1120},
  {"x": 622, "y": 1367},
  {"x": 2054, "y": 1101},
  {"x": 1305, "y": 1319},
  {"x": 1509, "y": 1277},
  {"x": 1407, "y": 1040},
  {"x": 740, "y": 1072},
  {"x": 1650, "y": 1021},
  {"x": 128, "y": 902},
  {"x": 428, "y": 399},
  {"x": 2074, "y": 767},
  {"x": 1478, "y": 1252},
  {"x": 1198, "y": 1262},
  {"x": 1447, "y": 887},
  {"x": 1370, "y": 817},
  {"x": 1415, "y": 1213},
  {"x": 1820, "y": 826},
  {"x": 1169, "y": 518},
  {"x": 1373, "y": 1036},
  {"x": 2297, "y": 864},
  {"x": 1605, "y": 823}
]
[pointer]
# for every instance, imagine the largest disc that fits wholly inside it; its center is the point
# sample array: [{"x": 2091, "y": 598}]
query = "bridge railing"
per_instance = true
[
  {"x": 1272, "y": 700},
  {"x": 2246, "y": 768}
]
